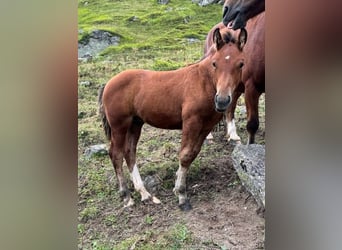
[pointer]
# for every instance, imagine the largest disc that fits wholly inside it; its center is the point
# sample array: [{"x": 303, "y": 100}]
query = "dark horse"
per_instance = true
[
  {"x": 253, "y": 76},
  {"x": 191, "y": 99},
  {"x": 237, "y": 12}
]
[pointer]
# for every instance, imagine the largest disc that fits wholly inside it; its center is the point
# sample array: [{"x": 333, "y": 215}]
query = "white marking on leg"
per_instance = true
[
  {"x": 231, "y": 131},
  {"x": 138, "y": 184},
  {"x": 180, "y": 182},
  {"x": 181, "y": 177}
]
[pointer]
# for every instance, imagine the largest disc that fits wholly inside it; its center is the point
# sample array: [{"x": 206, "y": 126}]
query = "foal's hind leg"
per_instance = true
[
  {"x": 132, "y": 138},
  {"x": 230, "y": 121},
  {"x": 116, "y": 155}
]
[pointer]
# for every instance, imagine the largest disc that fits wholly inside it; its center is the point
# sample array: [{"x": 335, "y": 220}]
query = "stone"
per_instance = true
[
  {"x": 96, "y": 150},
  {"x": 133, "y": 19},
  {"x": 249, "y": 163},
  {"x": 207, "y": 2},
  {"x": 191, "y": 40},
  {"x": 163, "y": 1},
  {"x": 152, "y": 184},
  {"x": 85, "y": 83},
  {"x": 93, "y": 44},
  {"x": 81, "y": 114}
]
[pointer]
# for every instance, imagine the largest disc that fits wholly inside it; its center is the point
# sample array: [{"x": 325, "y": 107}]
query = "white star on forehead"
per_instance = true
[{"x": 227, "y": 57}]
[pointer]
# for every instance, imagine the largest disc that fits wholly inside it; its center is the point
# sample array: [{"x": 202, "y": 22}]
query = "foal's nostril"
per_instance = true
[
  {"x": 228, "y": 99},
  {"x": 217, "y": 100}
]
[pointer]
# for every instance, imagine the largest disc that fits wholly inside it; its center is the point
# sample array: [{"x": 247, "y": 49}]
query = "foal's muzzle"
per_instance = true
[{"x": 221, "y": 103}]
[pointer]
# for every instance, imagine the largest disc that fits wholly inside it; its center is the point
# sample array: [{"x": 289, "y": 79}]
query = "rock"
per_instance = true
[
  {"x": 152, "y": 184},
  {"x": 96, "y": 150},
  {"x": 163, "y": 1},
  {"x": 192, "y": 40},
  {"x": 93, "y": 44},
  {"x": 133, "y": 19},
  {"x": 85, "y": 83},
  {"x": 81, "y": 114},
  {"x": 249, "y": 163},
  {"x": 207, "y": 2}
]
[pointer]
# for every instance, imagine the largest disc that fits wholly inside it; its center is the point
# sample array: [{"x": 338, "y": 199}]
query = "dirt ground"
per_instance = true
[{"x": 223, "y": 216}]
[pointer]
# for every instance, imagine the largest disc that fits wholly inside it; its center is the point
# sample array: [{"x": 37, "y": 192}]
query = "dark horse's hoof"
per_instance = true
[{"x": 185, "y": 206}]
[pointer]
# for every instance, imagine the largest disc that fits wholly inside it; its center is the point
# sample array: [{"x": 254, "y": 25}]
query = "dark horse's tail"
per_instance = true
[{"x": 103, "y": 116}]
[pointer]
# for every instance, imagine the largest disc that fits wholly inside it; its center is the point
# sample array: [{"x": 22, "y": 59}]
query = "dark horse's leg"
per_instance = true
[
  {"x": 230, "y": 121},
  {"x": 252, "y": 104},
  {"x": 192, "y": 140},
  {"x": 132, "y": 138}
]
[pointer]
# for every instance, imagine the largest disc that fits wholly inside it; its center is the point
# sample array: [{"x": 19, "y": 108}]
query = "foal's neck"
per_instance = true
[{"x": 206, "y": 73}]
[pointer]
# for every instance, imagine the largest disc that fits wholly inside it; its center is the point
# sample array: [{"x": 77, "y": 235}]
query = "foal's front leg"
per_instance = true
[{"x": 192, "y": 141}]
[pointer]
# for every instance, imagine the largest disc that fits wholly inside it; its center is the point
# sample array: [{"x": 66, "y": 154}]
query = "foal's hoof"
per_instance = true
[
  {"x": 185, "y": 206},
  {"x": 129, "y": 202},
  {"x": 234, "y": 140},
  {"x": 151, "y": 200},
  {"x": 156, "y": 200}
]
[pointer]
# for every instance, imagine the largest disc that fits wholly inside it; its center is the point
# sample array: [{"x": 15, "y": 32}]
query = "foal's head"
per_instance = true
[{"x": 227, "y": 63}]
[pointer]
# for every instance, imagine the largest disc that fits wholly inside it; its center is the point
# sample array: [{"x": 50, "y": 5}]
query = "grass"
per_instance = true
[
  {"x": 176, "y": 238},
  {"x": 180, "y": 235},
  {"x": 164, "y": 26}
]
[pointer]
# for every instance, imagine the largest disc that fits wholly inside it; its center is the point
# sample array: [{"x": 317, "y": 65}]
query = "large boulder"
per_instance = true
[{"x": 249, "y": 162}]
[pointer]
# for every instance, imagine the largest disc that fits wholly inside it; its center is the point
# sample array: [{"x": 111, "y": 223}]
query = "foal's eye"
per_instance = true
[
  {"x": 214, "y": 64},
  {"x": 241, "y": 65}
]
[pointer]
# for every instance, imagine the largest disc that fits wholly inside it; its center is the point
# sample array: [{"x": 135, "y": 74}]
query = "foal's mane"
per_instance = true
[{"x": 227, "y": 37}]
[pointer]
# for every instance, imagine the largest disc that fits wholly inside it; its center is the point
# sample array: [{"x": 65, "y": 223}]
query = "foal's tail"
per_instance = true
[{"x": 103, "y": 116}]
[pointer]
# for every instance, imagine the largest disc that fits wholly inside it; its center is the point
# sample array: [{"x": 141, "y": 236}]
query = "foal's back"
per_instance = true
[{"x": 156, "y": 97}]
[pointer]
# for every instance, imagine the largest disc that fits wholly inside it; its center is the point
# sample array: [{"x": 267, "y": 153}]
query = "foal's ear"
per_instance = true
[
  {"x": 218, "y": 39},
  {"x": 242, "y": 38}
]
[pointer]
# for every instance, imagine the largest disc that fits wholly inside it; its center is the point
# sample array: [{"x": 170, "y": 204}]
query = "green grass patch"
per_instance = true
[
  {"x": 180, "y": 235},
  {"x": 162, "y": 26},
  {"x": 166, "y": 65},
  {"x": 88, "y": 213}
]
